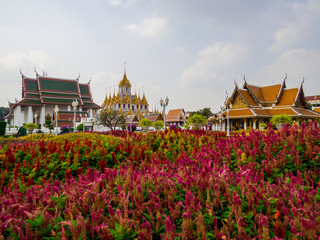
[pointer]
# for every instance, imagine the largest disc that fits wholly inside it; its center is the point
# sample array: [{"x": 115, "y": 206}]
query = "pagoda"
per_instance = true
[{"x": 126, "y": 102}]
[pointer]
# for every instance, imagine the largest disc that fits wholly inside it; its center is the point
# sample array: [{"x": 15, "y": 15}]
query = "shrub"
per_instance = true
[
  {"x": 132, "y": 127},
  {"x": 2, "y": 128},
  {"x": 30, "y": 125},
  {"x": 80, "y": 127},
  {"x": 282, "y": 118},
  {"x": 263, "y": 125},
  {"x": 158, "y": 124},
  {"x": 123, "y": 126},
  {"x": 145, "y": 122}
]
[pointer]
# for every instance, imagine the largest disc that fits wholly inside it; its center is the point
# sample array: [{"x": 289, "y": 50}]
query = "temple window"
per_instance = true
[
  {"x": 119, "y": 105},
  {"x": 128, "y": 105},
  {"x": 145, "y": 107},
  {"x": 132, "y": 107},
  {"x": 124, "y": 106}
]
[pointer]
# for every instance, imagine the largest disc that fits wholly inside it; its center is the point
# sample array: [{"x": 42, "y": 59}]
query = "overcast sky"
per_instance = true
[{"x": 189, "y": 50}]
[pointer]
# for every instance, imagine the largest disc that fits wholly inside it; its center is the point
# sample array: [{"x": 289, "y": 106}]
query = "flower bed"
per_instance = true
[{"x": 174, "y": 184}]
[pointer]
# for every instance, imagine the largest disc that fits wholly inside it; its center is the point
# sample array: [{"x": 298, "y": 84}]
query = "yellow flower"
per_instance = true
[{"x": 243, "y": 157}]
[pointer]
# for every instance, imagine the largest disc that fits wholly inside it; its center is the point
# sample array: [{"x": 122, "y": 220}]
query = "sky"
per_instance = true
[{"x": 191, "y": 51}]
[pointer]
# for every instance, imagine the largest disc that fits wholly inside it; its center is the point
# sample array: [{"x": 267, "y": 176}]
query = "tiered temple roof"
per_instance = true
[
  {"x": 47, "y": 90},
  {"x": 253, "y": 101}
]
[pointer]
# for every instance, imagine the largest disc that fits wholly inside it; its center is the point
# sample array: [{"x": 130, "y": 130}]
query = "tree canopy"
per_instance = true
[
  {"x": 206, "y": 112},
  {"x": 3, "y": 112},
  {"x": 112, "y": 118}
]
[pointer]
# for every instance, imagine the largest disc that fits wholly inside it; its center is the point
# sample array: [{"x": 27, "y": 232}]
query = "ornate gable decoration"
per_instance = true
[{"x": 239, "y": 102}]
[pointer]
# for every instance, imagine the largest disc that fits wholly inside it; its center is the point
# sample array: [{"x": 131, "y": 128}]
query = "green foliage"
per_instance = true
[
  {"x": 2, "y": 128},
  {"x": 123, "y": 126},
  {"x": 30, "y": 125},
  {"x": 122, "y": 232},
  {"x": 263, "y": 125},
  {"x": 206, "y": 112},
  {"x": 145, "y": 122},
  {"x": 80, "y": 127},
  {"x": 282, "y": 118},
  {"x": 112, "y": 118},
  {"x": 196, "y": 120},
  {"x": 3, "y": 112},
  {"x": 158, "y": 124}
]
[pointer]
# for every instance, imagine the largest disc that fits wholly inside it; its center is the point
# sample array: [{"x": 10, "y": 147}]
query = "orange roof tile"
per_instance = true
[
  {"x": 279, "y": 111},
  {"x": 239, "y": 112},
  {"x": 256, "y": 91},
  {"x": 248, "y": 97},
  {"x": 317, "y": 109},
  {"x": 261, "y": 112},
  {"x": 174, "y": 112},
  {"x": 270, "y": 93},
  {"x": 307, "y": 112},
  {"x": 288, "y": 97}
]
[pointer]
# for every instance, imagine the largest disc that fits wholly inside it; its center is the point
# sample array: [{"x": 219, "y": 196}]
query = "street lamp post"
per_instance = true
[
  {"x": 163, "y": 104},
  {"x": 74, "y": 105},
  {"x": 228, "y": 125},
  {"x": 56, "y": 110}
]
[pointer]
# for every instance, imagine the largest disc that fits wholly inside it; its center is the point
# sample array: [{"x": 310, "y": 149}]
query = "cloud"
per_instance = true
[
  {"x": 213, "y": 63},
  {"x": 301, "y": 26},
  {"x": 114, "y": 2},
  {"x": 298, "y": 63},
  {"x": 32, "y": 59},
  {"x": 149, "y": 27}
]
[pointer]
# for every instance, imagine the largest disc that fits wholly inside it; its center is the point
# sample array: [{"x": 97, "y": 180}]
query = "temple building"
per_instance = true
[
  {"x": 126, "y": 102},
  {"x": 251, "y": 105},
  {"x": 314, "y": 102},
  {"x": 42, "y": 94}
]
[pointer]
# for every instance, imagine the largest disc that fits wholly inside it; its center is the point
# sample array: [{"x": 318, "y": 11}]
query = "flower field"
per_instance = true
[{"x": 176, "y": 184}]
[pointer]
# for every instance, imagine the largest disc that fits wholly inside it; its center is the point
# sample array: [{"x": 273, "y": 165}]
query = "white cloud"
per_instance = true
[
  {"x": 214, "y": 63},
  {"x": 298, "y": 63},
  {"x": 285, "y": 37},
  {"x": 32, "y": 59},
  {"x": 114, "y": 2},
  {"x": 301, "y": 26},
  {"x": 149, "y": 27}
]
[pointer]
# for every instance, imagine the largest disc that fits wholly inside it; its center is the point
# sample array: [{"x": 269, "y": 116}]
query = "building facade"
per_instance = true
[
  {"x": 251, "y": 105},
  {"x": 42, "y": 94}
]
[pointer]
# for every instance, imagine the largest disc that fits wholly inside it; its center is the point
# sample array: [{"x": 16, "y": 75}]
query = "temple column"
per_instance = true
[
  {"x": 245, "y": 124},
  {"x": 30, "y": 114},
  {"x": 254, "y": 123},
  {"x": 90, "y": 113},
  {"x": 42, "y": 116},
  {"x": 80, "y": 109},
  {"x": 17, "y": 116},
  {"x": 69, "y": 108}
]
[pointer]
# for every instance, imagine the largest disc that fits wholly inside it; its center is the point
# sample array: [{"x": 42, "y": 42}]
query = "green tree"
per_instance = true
[
  {"x": 206, "y": 112},
  {"x": 196, "y": 120},
  {"x": 112, "y": 118},
  {"x": 3, "y": 112}
]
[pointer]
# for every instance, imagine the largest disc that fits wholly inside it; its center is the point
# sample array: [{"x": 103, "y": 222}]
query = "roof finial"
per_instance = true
[
  {"x": 285, "y": 77},
  {"x": 125, "y": 67},
  {"x": 302, "y": 82},
  {"x": 89, "y": 81},
  {"x": 22, "y": 74},
  {"x": 244, "y": 78},
  {"x": 78, "y": 77},
  {"x": 36, "y": 71},
  {"x": 235, "y": 83}
]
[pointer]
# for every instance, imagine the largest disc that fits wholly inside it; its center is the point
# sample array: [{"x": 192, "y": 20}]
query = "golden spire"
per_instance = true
[
  {"x": 120, "y": 111},
  {"x": 139, "y": 114},
  {"x": 135, "y": 99},
  {"x": 147, "y": 112},
  {"x": 129, "y": 112},
  {"x": 124, "y": 82},
  {"x": 127, "y": 99},
  {"x": 144, "y": 100}
]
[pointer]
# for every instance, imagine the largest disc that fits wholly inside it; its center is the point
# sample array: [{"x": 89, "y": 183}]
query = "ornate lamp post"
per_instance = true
[
  {"x": 56, "y": 110},
  {"x": 74, "y": 105},
  {"x": 163, "y": 104}
]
